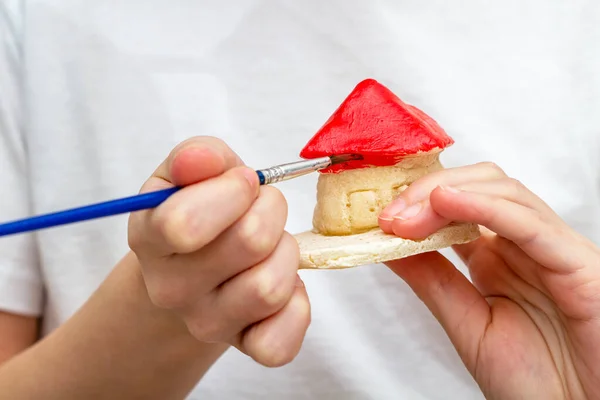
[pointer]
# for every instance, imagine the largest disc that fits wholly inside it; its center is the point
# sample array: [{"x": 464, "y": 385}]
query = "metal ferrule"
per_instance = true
[{"x": 292, "y": 170}]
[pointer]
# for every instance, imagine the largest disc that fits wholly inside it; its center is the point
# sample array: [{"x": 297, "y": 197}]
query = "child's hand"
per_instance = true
[
  {"x": 529, "y": 325},
  {"x": 217, "y": 255}
]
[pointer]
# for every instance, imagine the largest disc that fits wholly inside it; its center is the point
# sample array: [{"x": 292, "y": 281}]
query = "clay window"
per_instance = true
[{"x": 364, "y": 207}]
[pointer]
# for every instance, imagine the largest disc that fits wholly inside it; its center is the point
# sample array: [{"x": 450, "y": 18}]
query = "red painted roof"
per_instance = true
[{"x": 373, "y": 122}]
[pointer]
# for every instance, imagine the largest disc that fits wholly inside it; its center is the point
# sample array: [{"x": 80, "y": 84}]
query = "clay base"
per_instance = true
[{"x": 336, "y": 252}]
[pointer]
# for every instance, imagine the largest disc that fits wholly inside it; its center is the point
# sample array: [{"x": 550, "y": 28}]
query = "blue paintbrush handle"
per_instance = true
[
  {"x": 100, "y": 210},
  {"x": 154, "y": 199}
]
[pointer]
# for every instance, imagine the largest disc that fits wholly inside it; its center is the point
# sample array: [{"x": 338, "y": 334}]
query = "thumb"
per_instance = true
[
  {"x": 452, "y": 299},
  {"x": 193, "y": 161}
]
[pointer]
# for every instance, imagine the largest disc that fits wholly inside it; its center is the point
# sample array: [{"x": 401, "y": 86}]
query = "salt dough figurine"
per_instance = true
[{"x": 398, "y": 144}]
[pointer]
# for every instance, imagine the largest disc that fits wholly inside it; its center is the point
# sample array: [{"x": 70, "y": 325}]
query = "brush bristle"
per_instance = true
[{"x": 345, "y": 158}]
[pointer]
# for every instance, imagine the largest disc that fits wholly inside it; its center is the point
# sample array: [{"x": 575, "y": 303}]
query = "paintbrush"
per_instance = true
[{"x": 150, "y": 200}]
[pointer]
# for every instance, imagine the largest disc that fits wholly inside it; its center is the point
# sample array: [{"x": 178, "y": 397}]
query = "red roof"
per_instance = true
[{"x": 373, "y": 122}]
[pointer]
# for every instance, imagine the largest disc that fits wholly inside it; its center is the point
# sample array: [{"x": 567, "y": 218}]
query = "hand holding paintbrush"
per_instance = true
[{"x": 215, "y": 253}]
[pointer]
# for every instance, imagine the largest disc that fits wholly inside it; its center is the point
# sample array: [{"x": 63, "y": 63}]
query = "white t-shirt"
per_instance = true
[{"x": 94, "y": 94}]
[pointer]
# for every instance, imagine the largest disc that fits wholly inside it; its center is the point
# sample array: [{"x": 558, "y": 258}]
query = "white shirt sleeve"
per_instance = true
[{"x": 21, "y": 286}]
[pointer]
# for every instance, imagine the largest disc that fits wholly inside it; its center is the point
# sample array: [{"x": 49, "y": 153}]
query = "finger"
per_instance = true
[
  {"x": 197, "y": 159},
  {"x": 261, "y": 291},
  {"x": 466, "y": 250},
  {"x": 277, "y": 340},
  {"x": 452, "y": 299},
  {"x": 415, "y": 222},
  {"x": 420, "y": 189},
  {"x": 545, "y": 242},
  {"x": 247, "y": 242},
  {"x": 412, "y": 225},
  {"x": 192, "y": 161},
  {"x": 518, "y": 268},
  {"x": 488, "y": 267},
  {"x": 195, "y": 215},
  {"x": 510, "y": 189}
]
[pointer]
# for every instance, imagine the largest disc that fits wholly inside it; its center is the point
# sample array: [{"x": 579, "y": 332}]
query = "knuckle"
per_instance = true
[
  {"x": 255, "y": 236},
  {"x": 261, "y": 229},
  {"x": 279, "y": 202},
  {"x": 531, "y": 234},
  {"x": 268, "y": 291},
  {"x": 302, "y": 309},
  {"x": 292, "y": 254},
  {"x": 515, "y": 185},
  {"x": 171, "y": 226},
  {"x": 493, "y": 167},
  {"x": 205, "y": 329},
  {"x": 275, "y": 197},
  {"x": 239, "y": 186}
]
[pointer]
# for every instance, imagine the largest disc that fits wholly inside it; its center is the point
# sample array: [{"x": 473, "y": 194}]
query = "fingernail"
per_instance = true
[
  {"x": 392, "y": 209},
  {"x": 449, "y": 189},
  {"x": 409, "y": 212},
  {"x": 250, "y": 176},
  {"x": 299, "y": 282}
]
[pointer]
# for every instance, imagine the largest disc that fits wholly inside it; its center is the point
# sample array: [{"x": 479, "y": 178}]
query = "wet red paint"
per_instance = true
[{"x": 375, "y": 123}]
